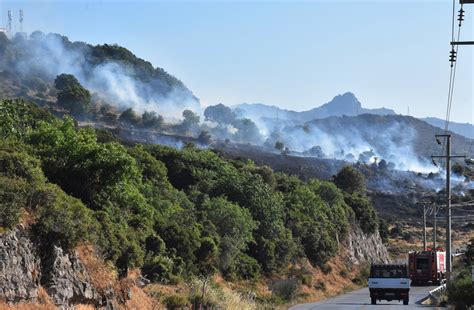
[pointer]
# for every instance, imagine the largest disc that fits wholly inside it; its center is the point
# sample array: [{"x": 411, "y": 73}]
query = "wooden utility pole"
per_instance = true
[
  {"x": 424, "y": 227},
  {"x": 434, "y": 227}
]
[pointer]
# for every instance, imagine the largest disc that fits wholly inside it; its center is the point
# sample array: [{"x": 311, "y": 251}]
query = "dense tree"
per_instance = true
[
  {"x": 71, "y": 95},
  {"x": 234, "y": 226},
  {"x": 350, "y": 180},
  {"x": 220, "y": 114},
  {"x": 171, "y": 212},
  {"x": 152, "y": 120},
  {"x": 279, "y": 145},
  {"x": 247, "y": 131},
  {"x": 190, "y": 118},
  {"x": 129, "y": 116}
]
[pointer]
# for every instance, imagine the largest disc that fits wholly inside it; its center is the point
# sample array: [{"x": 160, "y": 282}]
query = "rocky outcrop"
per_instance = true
[
  {"x": 66, "y": 280},
  {"x": 20, "y": 269},
  {"x": 26, "y": 265},
  {"x": 364, "y": 247}
]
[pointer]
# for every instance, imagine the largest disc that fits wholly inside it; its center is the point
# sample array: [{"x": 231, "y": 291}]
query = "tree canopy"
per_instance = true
[{"x": 170, "y": 212}]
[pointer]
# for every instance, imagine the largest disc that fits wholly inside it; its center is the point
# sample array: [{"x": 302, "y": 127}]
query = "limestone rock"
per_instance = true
[{"x": 20, "y": 270}]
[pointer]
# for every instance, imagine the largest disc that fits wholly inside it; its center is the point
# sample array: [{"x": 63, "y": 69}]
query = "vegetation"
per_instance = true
[
  {"x": 71, "y": 95},
  {"x": 352, "y": 182},
  {"x": 460, "y": 290},
  {"x": 174, "y": 213}
]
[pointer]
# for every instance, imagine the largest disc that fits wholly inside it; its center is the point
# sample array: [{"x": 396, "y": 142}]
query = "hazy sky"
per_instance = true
[{"x": 296, "y": 55}]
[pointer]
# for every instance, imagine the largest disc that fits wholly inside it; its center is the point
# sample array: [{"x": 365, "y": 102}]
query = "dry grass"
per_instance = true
[
  {"x": 102, "y": 275},
  {"x": 401, "y": 246},
  {"x": 140, "y": 300},
  {"x": 337, "y": 281}
]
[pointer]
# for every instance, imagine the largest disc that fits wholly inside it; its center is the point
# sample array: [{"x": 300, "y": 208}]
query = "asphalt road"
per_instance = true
[{"x": 360, "y": 299}]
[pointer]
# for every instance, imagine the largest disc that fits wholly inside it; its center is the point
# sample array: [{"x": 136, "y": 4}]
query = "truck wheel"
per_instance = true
[
  {"x": 405, "y": 301},
  {"x": 373, "y": 301}
]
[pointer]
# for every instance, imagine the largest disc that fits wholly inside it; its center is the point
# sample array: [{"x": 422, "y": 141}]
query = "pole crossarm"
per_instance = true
[
  {"x": 450, "y": 156},
  {"x": 462, "y": 43},
  {"x": 466, "y": 1}
]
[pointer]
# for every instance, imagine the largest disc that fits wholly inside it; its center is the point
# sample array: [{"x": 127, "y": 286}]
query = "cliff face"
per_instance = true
[
  {"x": 23, "y": 269},
  {"x": 20, "y": 269},
  {"x": 364, "y": 247}
]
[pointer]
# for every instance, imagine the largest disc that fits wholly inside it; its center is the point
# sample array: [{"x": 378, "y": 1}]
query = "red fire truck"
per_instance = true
[{"x": 426, "y": 266}]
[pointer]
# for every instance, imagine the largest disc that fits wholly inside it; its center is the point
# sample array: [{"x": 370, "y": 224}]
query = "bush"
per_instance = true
[
  {"x": 307, "y": 279},
  {"x": 286, "y": 289},
  {"x": 20, "y": 165},
  {"x": 176, "y": 302},
  {"x": 326, "y": 268},
  {"x": 246, "y": 267},
  {"x": 158, "y": 269},
  {"x": 62, "y": 219},
  {"x": 320, "y": 285},
  {"x": 361, "y": 278},
  {"x": 13, "y": 198},
  {"x": 460, "y": 292}
]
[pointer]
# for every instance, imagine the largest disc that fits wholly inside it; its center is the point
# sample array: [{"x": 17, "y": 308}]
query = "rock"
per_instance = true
[
  {"x": 142, "y": 281},
  {"x": 364, "y": 247},
  {"x": 66, "y": 280},
  {"x": 20, "y": 270},
  {"x": 23, "y": 269}
]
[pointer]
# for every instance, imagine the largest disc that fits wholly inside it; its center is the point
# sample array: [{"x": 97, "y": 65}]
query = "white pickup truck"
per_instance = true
[{"x": 389, "y": 282}]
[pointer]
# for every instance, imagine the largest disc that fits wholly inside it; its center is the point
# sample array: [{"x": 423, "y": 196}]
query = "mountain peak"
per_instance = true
[{"x": 345, "y": 101}]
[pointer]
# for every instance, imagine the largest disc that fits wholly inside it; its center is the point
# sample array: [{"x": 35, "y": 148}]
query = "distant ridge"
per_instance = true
[
  {"x": 464, "y": 129},
  {"x": 346, "y": 104}
]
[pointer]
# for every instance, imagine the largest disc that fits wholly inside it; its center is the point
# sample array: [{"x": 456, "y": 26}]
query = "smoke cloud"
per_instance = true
[{"x": 124, "y": 84}]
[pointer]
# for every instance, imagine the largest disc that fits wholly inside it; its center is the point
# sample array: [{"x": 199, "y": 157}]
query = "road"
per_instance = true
[{"x": 359, "y": 299}]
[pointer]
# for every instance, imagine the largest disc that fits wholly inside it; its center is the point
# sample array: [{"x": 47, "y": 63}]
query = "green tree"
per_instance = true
[
  {"x": 247, "y": 131},
  {"x": 220, "y": 114},
  {"x": 152, "y": 120},
  {"x": 350, "y": 180},
  {"x": 71, "y": 94},
  {"x": 190, "y": 118},
  {"x": 129, "y": 116},
  {"x": 234, "y": 226}
]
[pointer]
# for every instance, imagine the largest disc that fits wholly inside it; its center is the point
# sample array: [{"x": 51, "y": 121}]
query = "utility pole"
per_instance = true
[
  {"x": 434, "y": 227},
  {"x": 424, "y": 227},
  {"x": 448, "y": 158}
]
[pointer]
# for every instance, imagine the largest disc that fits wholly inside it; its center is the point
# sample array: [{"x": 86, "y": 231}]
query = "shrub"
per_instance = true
[
  {"x": 307, "y": 279},
  {"x": 286, "y": 289},
  {"x": 61, "y": 218},
  {"x": 21, "y": 165},
  {"x": 13, "y": 197},
  {"x": 176, "y": 302},
  {"x": 320, "y": 285},
  {"x": 460, "y": 292},
  {"x": 158, "y": 269},
  {"x": 326, "y": 268}
]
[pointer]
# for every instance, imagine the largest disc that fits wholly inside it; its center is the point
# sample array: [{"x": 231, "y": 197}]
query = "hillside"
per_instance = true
[
  {"x": 114, "y": 75},
  {"x": 171, "y": 215},
  {"x": 346, "y": 104},
  {"x": 466, "y": 129}
]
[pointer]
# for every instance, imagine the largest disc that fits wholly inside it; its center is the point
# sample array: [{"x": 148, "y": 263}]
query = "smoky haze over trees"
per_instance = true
[
  {"x": 126, "y": 90},
  {"x": 115, "y": 74}
]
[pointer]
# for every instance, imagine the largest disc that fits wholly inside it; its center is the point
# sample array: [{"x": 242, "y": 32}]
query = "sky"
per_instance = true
[{"x": 295, "y": 55}]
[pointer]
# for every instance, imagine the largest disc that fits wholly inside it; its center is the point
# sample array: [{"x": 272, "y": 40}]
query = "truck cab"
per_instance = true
[{"x": 389, "y": 282}]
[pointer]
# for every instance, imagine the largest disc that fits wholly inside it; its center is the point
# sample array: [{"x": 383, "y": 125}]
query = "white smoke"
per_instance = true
[{"x": 117, "y": 83}]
